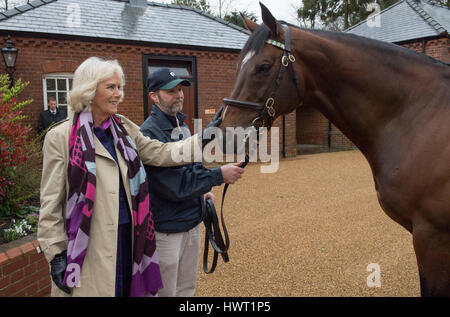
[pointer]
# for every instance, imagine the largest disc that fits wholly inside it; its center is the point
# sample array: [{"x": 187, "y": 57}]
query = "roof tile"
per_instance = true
[
  {"x": 406, "y": 20},
  {"x": 10, "y": 13},
  {"x": 24, "y": 7},
  {"x": 36, "y": 3}
]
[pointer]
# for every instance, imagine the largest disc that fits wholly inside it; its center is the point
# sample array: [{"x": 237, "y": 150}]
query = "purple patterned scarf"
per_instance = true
[{"x": 146, "y": 276}]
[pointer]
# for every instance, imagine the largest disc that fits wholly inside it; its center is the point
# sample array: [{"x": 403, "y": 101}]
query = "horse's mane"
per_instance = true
[
  {"x": 366, "y": 43},
  {"x": 258, "y": 38}
]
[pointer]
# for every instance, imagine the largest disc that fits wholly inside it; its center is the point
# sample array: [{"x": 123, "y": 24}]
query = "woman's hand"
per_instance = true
[{"x": 58, "y": 269}]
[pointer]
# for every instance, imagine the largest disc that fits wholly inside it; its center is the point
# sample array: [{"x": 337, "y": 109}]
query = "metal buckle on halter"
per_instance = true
[
  {"x": 258, "y": 119},
  {"x": 269, "y": 106},
  {"x": 291, "y": 58},
  {"x": 286, "y": 58}
]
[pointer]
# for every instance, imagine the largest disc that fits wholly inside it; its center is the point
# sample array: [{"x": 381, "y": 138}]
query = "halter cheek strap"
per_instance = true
[
  {"x": 285, "y": 59},
  {"x": 292, "y": 60}
]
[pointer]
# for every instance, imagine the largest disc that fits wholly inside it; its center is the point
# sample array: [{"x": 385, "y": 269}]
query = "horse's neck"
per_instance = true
[{"x": 359, "y": 89}]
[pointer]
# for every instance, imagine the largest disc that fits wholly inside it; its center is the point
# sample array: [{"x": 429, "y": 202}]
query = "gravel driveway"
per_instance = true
[{"x": 310, "y": 229}]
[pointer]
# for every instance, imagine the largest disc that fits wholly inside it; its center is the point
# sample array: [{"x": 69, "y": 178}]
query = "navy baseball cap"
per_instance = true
[{"x": 164, "y": 79}]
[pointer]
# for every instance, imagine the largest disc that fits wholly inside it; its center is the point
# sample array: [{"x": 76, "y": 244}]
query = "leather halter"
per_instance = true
[{"x": 267, "y": 111}]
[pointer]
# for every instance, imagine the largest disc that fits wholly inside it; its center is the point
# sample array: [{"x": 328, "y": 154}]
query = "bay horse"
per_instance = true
[{"x": 391, "y": 102}]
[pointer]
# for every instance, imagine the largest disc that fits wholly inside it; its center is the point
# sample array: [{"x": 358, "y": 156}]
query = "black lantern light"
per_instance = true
[{"x": 9, "y": 54}]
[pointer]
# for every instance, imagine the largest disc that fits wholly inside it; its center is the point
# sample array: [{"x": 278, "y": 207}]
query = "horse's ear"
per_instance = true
[
  {"x": 269, "y": 20},
  {"x": 249, "y": 24}
]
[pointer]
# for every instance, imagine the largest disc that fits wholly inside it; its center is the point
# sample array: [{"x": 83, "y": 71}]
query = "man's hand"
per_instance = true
[
  {"x": 232, "y": 172},
  {"x": 211, "y": 196},
  {"x": 58, "y": 269},
  {"x": 215, "y": 122}
]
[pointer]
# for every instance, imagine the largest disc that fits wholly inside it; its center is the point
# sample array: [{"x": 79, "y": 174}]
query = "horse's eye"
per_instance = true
[{"x": 264, "y": 68}]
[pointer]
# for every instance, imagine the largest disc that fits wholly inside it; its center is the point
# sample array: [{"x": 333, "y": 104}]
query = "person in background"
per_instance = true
[
  {"x": 50, "y": 116},
  {"x": 178, "y": 194}
]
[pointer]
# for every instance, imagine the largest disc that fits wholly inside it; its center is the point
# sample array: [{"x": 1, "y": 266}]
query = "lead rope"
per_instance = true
[{"x": 213, "y": 233}]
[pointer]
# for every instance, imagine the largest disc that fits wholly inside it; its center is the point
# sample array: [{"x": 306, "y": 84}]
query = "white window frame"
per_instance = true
[{"x": 56, "y": 76}]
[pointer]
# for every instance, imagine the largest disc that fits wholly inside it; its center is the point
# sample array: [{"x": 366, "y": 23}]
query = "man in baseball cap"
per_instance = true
[
  {"x": 166, "y": 92},
  {"x": 178, "y": 195}
]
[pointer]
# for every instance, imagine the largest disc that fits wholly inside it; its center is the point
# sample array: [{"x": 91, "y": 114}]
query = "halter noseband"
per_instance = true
[{"x": 267, "y": 111}]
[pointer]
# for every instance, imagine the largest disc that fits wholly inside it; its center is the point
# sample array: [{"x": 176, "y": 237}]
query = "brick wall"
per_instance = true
[
  {"x": 312, "y": 126},
  {"x": 290, "y": 139},
  {"x": 24, "y": 271},
  {"x": 339, "y": 140},
  {"x": 437, "y": 48}
]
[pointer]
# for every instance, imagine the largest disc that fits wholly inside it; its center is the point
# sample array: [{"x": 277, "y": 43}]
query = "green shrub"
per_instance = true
[
  {"x": 20, "y": 155},
  {"x": 33, "y": 220}
]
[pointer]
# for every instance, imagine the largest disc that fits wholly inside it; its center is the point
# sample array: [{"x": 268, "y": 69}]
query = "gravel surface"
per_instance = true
[{"x": 310, "y": 229}]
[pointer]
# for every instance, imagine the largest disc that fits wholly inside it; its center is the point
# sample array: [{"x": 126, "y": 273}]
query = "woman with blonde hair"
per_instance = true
[{"x": 95, "y": 227}]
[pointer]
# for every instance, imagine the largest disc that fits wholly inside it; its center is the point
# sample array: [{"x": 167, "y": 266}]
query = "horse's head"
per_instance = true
[{"x": 267, "y": 84}]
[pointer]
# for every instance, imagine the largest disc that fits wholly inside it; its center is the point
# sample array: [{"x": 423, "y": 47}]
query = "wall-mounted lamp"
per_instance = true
[{"x": 9, "y": 54}]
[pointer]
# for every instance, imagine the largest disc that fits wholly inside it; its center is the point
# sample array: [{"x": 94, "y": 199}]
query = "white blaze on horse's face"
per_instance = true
[{"x": 247, "y": 58}]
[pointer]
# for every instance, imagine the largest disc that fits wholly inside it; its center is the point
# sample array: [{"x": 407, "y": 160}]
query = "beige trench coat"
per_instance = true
[{"x": 99, "y": 268}]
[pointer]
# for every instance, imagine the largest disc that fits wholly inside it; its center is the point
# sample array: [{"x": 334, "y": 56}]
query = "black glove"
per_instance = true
[
  {"x": 215, "y": 122},
  {"x": 58, "y": 269}
]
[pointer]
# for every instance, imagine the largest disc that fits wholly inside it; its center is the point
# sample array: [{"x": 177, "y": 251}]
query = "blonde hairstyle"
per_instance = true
[{"x": 86, "y": 79}]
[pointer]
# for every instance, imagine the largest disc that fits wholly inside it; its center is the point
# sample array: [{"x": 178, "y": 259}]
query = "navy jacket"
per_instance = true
[
  {"x": 176, "y": 193},
  {"x": 46, "y": 118}
]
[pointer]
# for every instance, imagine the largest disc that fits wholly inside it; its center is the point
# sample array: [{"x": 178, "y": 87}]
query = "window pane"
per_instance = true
[
  {"x": 58, "y": 88},
  {"x": 51, "y": 85},
  {"x": 63, "y": 107},
  {"x": 62, "y": 99},
  {"x": 62, "y": 84},
  {"x": 51, "y": 94}
]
